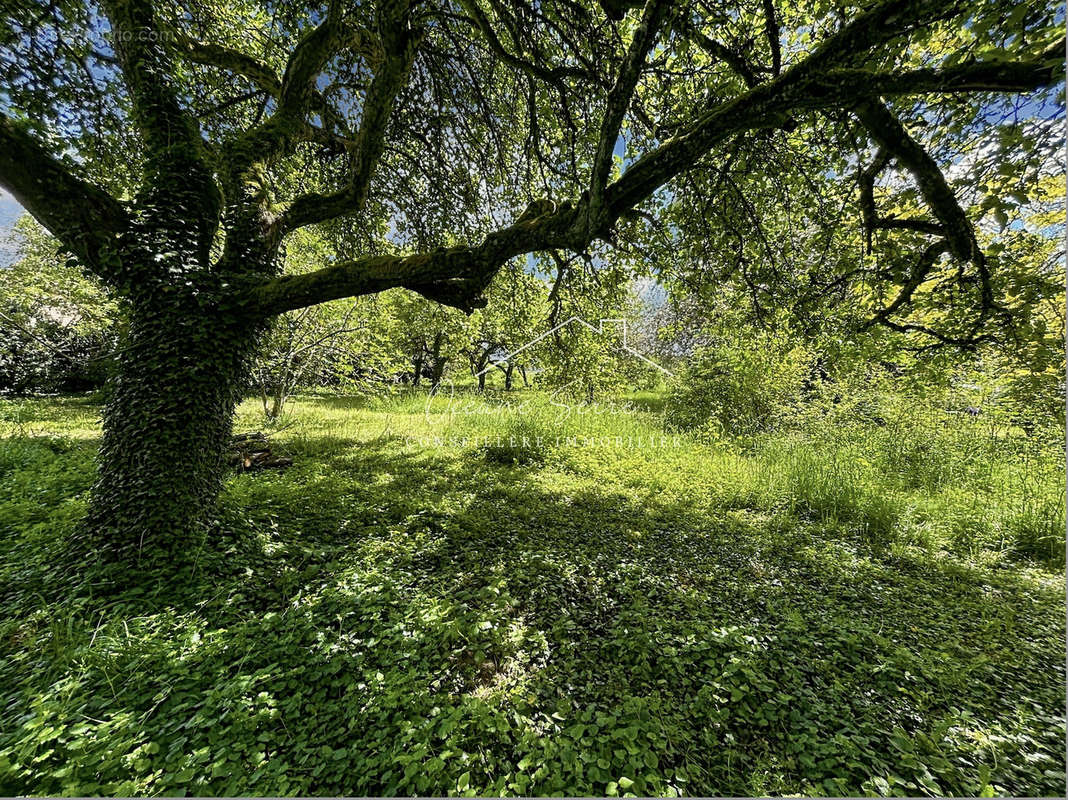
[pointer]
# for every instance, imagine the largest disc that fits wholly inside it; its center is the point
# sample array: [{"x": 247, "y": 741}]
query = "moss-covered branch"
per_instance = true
[
  {"x": 215, "y": 55},
  {"x": 85, "y": 218},
  {"x": 456, "y": 276}
]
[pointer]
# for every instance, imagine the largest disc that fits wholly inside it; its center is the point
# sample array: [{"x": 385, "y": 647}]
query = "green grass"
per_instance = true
[{"x": 425, "y": 604}]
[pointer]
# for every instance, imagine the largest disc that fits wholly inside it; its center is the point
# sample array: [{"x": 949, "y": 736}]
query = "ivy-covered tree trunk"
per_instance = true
[{"x": 167, "y": 423}]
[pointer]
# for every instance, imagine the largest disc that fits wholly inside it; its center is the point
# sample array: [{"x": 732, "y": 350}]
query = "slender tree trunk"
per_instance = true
[
  {"x": 438, "y": 371},
  {"x": 480, "y": 366},
  {"x": 278, "y": 403},
  {"x": 180, "y": 374},
  {"x": 437, "y": 363},
  {"x": 418, "y": 370},
  {"x": 508, "y": 377}
]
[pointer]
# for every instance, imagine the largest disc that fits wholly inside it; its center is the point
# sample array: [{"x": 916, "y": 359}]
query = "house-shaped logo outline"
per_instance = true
[{"x": 598, "y": 329}]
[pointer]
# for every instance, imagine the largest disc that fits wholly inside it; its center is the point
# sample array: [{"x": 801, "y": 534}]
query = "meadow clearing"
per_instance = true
[{"x": 505, "y": 594}]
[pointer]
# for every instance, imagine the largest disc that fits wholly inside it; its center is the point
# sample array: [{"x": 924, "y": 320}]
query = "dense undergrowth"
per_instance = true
[{"x": 478, "y": 598}]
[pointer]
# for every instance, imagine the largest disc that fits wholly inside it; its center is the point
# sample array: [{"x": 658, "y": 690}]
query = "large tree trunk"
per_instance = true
[{"x": 180, "y": 374}]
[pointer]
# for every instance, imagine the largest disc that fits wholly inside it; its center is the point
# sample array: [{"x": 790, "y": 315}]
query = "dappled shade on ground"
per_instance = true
[{"x": 389, "y": 617}]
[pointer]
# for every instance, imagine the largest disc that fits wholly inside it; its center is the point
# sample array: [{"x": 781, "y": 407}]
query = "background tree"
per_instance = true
[
  {"x": 173, "y": 149},
  {"x": 585, "y": 357},
  {"x": 312, "y": 346},
  {"x": 56, "y": 325},
  {"x": 429, "y": 335},
  {"x": 516, "y": 312}
]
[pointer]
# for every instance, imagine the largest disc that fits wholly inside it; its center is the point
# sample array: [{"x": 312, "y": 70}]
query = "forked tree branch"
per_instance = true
[
  {"x": 390, "y": 79},
  {"x": 456, "y": 276},
  {"x": 888, "y": 131},
  {"x": 799, "y": 89},
  {"x": 266, "y": 80},
  {"x": 173, "y": 145},
  {"x": 870, "y": 215},
  {"x": 653, "y": 16},
  {"x": 296, "y": 93},
  {"x": 917, "y": 276}
]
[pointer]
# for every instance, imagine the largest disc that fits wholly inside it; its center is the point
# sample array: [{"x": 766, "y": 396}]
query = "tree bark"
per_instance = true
[
  {"x": 418, "y": 364},
  {"x": 437, "y": 363},
  {"x": 180, "y": 373}
]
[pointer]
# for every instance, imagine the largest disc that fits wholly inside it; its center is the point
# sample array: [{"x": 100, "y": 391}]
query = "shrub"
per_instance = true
[
  {"x": 739, "y": 385},
  {"x": 55, "y": 330}
]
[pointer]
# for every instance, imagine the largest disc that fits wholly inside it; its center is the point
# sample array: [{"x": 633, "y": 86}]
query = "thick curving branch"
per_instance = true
[
  {"x": 86, "y": 219},
  {"x": 870, "y": 215},
  {"x": 885, "y": 128},
  {"x": 296, "y": 91},
  {"x": 990, "y": 76},
  {"x": 266, "y": 80},
  {"x": 805, "y": 86},
  {"x": 456, "y": 276},
  {"x": 173, "y": 145},
  {"x": 800, "y": 88}
]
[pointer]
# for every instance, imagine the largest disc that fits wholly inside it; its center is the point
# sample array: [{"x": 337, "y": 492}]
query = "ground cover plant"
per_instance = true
[{"x": 414, "y": 607}]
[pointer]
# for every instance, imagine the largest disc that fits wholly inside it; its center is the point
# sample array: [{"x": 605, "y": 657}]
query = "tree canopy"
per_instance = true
[{"x": 407, "y": 128}]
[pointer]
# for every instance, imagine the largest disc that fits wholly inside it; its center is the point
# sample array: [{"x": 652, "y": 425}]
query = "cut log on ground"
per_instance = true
[{"x": 252, "y": 451}]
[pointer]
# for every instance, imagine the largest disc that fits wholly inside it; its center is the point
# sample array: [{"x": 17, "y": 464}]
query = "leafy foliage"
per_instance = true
[
  {"x": 743, "y": 383},
  {"x": 56, "y": 326},
  {"x": 836, "y": 610}
]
